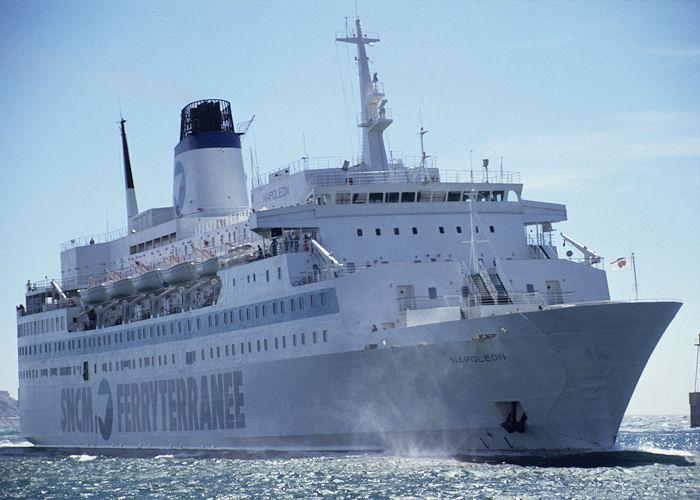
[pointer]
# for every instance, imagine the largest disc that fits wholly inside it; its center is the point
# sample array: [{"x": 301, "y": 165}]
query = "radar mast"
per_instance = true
[{"x": 373, "y": 116}]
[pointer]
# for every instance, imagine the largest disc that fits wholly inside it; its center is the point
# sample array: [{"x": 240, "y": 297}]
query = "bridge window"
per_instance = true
[
  {"x": 482, "y": 196},
  {"x": 424, "y": 196},
  {"x": 497, "y": 196},
  {"x": 376, "y": 197},
  {"x": 439, "y": 196},
  {"x": 392, "y": 198},
  {"x": 342, "y": 198},
  {"x": 407, "y": 197},
  {"x": 358, "y": 198},
  {"x": 454, "y": 196}
]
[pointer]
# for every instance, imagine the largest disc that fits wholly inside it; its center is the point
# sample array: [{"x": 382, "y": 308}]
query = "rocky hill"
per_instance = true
[{"x": 9, "y": 411}]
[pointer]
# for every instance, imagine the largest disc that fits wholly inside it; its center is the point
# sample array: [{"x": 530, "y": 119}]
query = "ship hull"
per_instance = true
[{"x": 445, "y": 387}]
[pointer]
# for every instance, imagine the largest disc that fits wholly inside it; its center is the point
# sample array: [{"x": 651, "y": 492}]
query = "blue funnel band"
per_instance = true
[{"x": 209, "y": 140}]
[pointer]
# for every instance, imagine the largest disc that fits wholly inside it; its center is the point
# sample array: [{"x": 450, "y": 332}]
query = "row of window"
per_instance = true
[
  {"x": 227, "y": 317},
  {"x": 415, "y": 197},
  {"x": 148, "y": 245},
  {"x": 250, "y": 346},
  {"x": 259, "y": 345},
  {"x": 414, "y": 230},
  {"x": 37, "y": 326},
  {"x": 252, "y": 277}
]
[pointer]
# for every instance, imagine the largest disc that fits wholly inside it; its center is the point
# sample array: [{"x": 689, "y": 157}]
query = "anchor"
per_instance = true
[{"x": 512, "y": 423}]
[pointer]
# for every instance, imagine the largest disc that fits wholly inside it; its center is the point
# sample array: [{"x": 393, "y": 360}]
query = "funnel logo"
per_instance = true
[
  {"x": 179, "y": 186},
  {"x": 105, "y": 425}
]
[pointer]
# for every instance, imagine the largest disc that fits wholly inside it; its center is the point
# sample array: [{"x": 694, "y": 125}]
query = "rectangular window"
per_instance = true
[
  {"x": 424, "y": 196},
  {"x": 258, "y": 344},
  {"x": 323, "y": 298},
  {"x": 454, "y": 195},
  {"x": 459, "y": 229},
  {"x": 279, "y": 273},
  {"x": 439, "y": 196},
  {"x": 392, "y": 198},
  {"x": 325, "y": 336},
  {"x": 441, "y": 229},
  {"x": 359, "y": 232},
  {"x": 408, "y": 197},
  {"x": 282, "y": 306},
  {"x": 414, "y": 230},
  {"x": 378, "y": 231},
  {"x": 267, "y": 275},
  {"x": 265, "y": 344},
  {"x": 342, "y": 198},
  {"x": 284, "y": 342},
  {"x": 301, "y": 302},
  {"x": 294, "y": 339},
  {"x": 313, "y": 300},
  {"x": 314, "y": 336},
  {"x": 432, "y": 292},
  {"x": 376, "y": 197},
  {"x": 303, "y": 339},
  {"x": 358, "y": 198}
]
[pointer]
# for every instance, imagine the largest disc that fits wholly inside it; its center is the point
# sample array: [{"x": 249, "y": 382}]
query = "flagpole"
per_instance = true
[{"x": 634, "y": 268}]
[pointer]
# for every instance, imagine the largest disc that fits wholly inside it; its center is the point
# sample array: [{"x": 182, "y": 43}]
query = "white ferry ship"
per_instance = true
[{"x": 368, "y": 304}]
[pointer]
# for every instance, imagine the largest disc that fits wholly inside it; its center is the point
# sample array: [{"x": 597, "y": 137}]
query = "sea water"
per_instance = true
[{"x": 656, "y": 457}]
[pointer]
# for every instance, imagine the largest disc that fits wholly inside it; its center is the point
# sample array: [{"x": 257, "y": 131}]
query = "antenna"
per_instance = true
[
  {"x": 471, "y": 168},
  {"x": 245, "y": 126}
]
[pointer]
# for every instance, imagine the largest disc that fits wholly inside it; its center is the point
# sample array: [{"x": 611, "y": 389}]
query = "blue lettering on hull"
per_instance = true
[{"x": 212, "y": 403}]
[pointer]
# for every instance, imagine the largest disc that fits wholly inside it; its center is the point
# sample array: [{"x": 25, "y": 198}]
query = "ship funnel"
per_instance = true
[
  {"x": 209, "y": 178},
  {"x": 132, "y": 208}
]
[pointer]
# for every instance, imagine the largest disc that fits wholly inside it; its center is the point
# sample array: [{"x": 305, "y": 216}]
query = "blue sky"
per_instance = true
[{"x": 596, "y": 104}]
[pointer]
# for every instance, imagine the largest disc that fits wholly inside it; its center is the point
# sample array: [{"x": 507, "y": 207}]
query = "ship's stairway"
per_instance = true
[
  {"x": 485, "y": 296},
  {"x": 540, "y": 252},
  {"x": 502, "y": 294}
]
